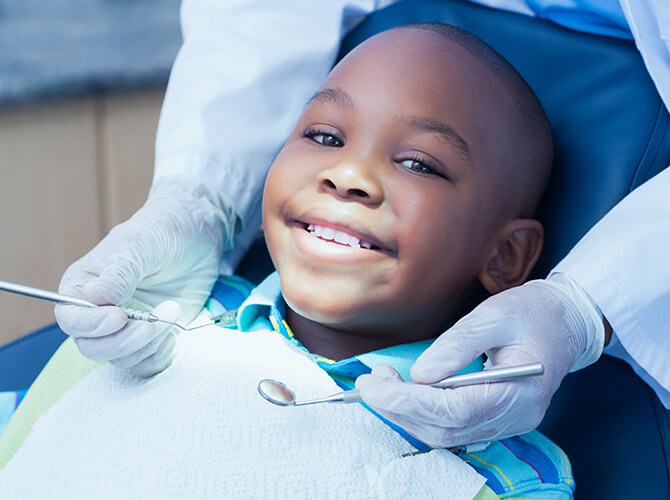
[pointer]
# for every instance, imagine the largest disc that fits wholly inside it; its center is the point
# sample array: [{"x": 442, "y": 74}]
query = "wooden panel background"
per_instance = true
[{"x": 69, "y": 171}]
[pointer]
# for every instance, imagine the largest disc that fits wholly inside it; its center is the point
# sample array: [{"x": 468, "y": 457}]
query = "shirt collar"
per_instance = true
[
  {"x": 257, "y": 306},
  {"x": 265, "y": 307}
]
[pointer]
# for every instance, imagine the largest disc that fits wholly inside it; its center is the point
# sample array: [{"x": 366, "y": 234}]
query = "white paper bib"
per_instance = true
[{"x": 200, "y": 430}]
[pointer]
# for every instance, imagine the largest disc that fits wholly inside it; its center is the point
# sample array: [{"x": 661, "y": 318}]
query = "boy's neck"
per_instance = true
[{"x": 330, "y": 343}]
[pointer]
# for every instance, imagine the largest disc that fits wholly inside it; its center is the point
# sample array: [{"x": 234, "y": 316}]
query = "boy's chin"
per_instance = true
[
  {"x": 326, "y": 298},
  {"x": 323, "y": 309},
  {"x": 341, "y": 312}
]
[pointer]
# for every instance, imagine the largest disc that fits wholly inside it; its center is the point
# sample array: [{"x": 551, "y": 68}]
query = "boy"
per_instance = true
[{"x": 408, "y": 183}]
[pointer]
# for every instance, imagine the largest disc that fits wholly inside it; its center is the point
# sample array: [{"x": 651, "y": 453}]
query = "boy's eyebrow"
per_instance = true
[
  {"x": 334, "y": 95},
  {"x": 447, "y": 133}
]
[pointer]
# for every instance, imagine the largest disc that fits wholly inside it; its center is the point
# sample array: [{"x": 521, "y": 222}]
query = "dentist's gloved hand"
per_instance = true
[
  {"x": 170, "y": 249},
  {"x": 552, "y": 321}
]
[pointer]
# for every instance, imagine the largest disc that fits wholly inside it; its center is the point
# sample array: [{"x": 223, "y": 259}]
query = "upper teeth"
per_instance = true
[{"x": 328, "y": 233}]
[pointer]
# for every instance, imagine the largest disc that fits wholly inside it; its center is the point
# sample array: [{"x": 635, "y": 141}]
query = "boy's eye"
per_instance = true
[
  {"x": 324, "y": 138},
  {"x": 327, "y": 140},
  {"x": 420, "y": 167}
]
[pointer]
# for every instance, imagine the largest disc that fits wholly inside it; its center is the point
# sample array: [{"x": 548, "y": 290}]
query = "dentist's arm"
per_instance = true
[{"x": 242, "y": 77}]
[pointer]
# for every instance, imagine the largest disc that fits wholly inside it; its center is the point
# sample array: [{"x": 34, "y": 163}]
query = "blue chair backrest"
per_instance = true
[{"x": 612, "y": 133}]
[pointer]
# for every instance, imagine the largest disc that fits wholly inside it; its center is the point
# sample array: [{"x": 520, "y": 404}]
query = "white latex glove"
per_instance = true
[
  {"x": 170, "y": 249},
  {"x": 552, "y": 321}
]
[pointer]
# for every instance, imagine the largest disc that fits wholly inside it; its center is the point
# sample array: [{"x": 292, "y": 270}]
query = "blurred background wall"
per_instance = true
[{"x": 81, "y": 84}]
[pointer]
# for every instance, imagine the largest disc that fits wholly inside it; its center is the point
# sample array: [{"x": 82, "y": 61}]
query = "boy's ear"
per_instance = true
[{"x": 513, "y": 257}]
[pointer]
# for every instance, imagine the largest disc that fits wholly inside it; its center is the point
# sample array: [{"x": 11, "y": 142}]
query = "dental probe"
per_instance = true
[{"x": 38, "y": 293}]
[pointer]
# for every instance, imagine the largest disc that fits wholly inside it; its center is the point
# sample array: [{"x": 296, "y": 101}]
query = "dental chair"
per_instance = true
[{"x": 612, "y": 133}]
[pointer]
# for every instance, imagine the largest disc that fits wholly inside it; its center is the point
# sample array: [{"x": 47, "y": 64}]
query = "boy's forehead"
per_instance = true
[
  {"x": 407, "y": 49},
  {"x": 410, "y": 67},
  {"x": 426, "y": 65}
]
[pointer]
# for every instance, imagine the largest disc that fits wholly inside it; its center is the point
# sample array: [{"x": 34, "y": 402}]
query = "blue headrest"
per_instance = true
[{"x": 610, "y": 126}]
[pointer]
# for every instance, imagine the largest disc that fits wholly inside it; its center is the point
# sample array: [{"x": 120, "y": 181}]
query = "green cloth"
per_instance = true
[
  {"x": 486, "y": 493},
  {"x": 65, "y": 368}
]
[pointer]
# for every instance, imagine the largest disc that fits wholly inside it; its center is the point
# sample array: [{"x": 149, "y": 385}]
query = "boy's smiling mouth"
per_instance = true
[{"x": 340, "y": 232}]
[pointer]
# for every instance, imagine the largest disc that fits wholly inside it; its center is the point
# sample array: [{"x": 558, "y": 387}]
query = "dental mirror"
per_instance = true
[{"x": 278, "y": 393}]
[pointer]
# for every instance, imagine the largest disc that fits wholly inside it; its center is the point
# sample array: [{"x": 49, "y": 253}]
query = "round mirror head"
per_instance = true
[{"x": 276, "y": 392}]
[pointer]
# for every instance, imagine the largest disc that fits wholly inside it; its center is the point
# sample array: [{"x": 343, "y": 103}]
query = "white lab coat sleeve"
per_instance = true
[
  {"x": 623, "y": 264},
  {"x": 649, "y": 22},
  {"x": 243, "y": 75}
]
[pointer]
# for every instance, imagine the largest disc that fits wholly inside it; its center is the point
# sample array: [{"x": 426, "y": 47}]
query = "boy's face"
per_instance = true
[{"x": 380, "y": 209}]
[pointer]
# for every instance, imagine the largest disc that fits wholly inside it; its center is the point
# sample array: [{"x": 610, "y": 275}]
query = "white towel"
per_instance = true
[{"x": 200, "y": 430}]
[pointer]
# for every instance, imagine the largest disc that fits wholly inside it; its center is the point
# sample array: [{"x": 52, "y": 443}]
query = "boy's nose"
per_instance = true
[{"x": 352, "y": 182}]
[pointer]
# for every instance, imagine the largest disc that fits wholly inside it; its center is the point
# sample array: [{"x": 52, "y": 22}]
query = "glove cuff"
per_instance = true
[{"x": 590, "y": 313}]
